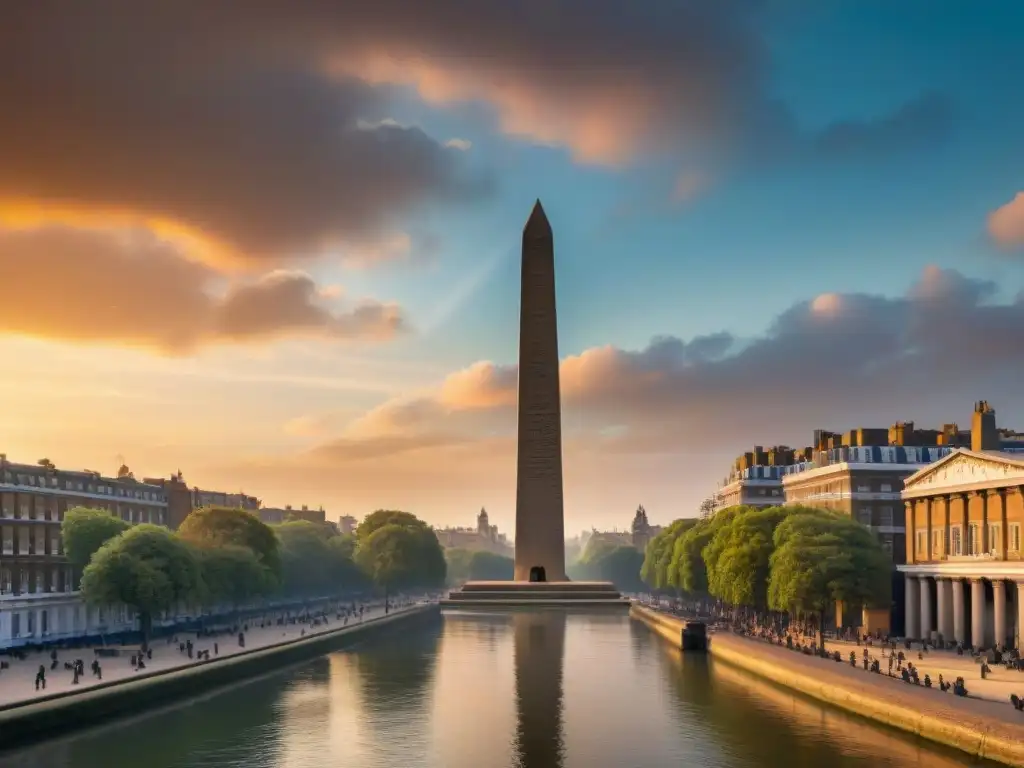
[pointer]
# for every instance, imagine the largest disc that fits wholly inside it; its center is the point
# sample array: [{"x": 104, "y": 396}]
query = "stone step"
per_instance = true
[{"x": 534, "y": 595}]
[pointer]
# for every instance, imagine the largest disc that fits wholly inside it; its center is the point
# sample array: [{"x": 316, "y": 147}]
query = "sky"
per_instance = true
[{"x": 275, "y": 245}]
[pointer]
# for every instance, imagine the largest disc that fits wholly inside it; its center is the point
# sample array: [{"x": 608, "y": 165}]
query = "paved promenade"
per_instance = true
[
  {"x": 1000, "y": 683},
  {"x": 17, "y": 684},
  {"x": 893, "y": 690}
]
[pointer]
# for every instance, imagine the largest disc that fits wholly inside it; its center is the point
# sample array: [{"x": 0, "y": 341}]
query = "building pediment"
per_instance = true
[{"x": 966, "y": 469}]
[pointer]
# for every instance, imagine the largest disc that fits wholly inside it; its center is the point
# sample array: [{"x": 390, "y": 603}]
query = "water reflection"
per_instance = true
[
  {"x": 757, "y": 723},
  {"x": 539, "y": 652}
]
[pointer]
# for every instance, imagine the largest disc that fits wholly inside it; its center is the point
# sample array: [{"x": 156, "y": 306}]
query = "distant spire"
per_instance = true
[{"x": 537, "y": 225}]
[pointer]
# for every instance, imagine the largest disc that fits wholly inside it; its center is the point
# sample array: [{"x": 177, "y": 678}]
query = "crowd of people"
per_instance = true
[{"x": 194, "y": 644}]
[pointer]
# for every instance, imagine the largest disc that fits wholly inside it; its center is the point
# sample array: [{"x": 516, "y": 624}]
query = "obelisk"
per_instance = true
[{"x": 540, "y": 530}]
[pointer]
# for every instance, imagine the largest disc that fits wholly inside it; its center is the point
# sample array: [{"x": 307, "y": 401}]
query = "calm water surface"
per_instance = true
[{"x": 536, "y": 690}]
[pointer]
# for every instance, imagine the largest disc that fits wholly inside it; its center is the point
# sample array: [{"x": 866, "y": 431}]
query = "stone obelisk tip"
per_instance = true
[{"x": 538, "y": 223}]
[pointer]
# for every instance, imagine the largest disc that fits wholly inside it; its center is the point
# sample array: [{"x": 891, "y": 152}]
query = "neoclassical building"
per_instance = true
[{"x": 964, "y": 572}]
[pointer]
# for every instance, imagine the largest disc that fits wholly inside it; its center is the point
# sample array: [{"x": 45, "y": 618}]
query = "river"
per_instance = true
[{"x": 547, "y": 689}]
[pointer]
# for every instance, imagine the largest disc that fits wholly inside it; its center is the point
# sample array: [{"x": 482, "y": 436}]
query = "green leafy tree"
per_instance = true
[
  {"x": 146, "y": 568},
  {"x": 212, "y": 527},
  {"x": 659, "y": 551},
  {"x": 307, "y": 566},
  {"x": 821, "y": 558},
  {"x": 399, "y": 557},
  {"x": 620, "y": 565},
  {"x": 457, "y": 564},
  {"x": 490, "y": 566},
  {"x": 85, "y": 530},
  {"x": 383, "y": 517},
  {"x": 687, "y": 570},
  {"x": 737, "y": 557},
  {"x": 234, "y": 575}
]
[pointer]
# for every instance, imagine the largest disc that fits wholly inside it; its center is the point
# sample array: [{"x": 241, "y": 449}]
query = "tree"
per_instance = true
[
  {"x": 234, "y": 575},
  {"x": 659, "y": 551},
  {"x": 477, "y": 565},
  {"x": 398, "y": 557},
  {"x": 85, "y": 530},
  {"x": 821, "y": 558},
  {"x": 146, "y": 568},
  {"x": 688, "y": 570},
  {"x": 620, "y": 565},
  {"x": 212, "y": 527},
  {"x": 737, "y": 557},
  {"x": 383, "y": 517}
]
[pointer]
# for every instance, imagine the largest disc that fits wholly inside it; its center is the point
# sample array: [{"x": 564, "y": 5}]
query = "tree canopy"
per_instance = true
[
  {"x": 228, "y": 526},
  {"x": 821, "y": 558},
  {"x": 146, "y": 568},
  {"x": 402, "y": 555},
  {"x": 659, "y": 552},
  {"x": 233, "y": 574},
  {"x": 383, "y": 517},
  {"x": 737, "y": 557},
  {"x": 315, "y": 560},
  {"x": 85, "y": 530},
  {"x": 477, "y": 565}
]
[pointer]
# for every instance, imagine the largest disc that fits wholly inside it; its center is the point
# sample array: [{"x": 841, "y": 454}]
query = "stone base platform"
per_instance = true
[{"x": 536, "y": 593}]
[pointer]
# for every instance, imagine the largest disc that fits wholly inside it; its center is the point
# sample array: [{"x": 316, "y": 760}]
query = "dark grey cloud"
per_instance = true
[
  {"x": 136, "y": 290},
  {"x": 260, "y": 124}
]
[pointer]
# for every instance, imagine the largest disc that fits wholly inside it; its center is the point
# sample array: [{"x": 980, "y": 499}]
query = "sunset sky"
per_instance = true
[{"x": 275, "y": 244}]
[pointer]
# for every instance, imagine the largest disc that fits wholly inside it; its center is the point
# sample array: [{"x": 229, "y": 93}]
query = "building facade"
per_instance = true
[
  {"x": 39, "y": 599},
  {"x": 641, "y": 530},
  {"x": 964, "y": 571},
  {"x": 484, "y": 537},
  {"x": 278, "y": 515}
]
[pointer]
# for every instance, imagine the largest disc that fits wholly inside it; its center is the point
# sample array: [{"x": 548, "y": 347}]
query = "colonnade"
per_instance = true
[{"x": 937, "y": 606}]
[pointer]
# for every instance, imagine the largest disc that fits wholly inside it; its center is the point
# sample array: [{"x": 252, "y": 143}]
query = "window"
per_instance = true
[
  {"x": 31, "y": 628},
  {"x": 973, "y": 539},
  {"x": 5, "y": 580},
  {"x": 44, "y": 622},
  {"x": 994, "y": 538},
  {"x": 1013, "y": 542},
  {"x": 936, "y": 544},
  {"x": 955, "y": 541},
  {"x": 22, "y": 534},
  {"x": 887, "y": 543},
  {"x": 885, "y": 516},
  {"x": 863, "y": 488},
  {"x": 40, "y": 582},
  {"x": 8, "y": 540},
  {"x": 15, "y": 625},
  {"x": 864, "y": 515},
  {"x": 922, "y": 545},
  {"x": 886, "y": 488},
  {"x": 55, "y": 580}
]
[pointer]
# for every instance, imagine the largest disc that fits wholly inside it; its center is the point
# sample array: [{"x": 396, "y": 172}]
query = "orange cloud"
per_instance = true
[
  {"x": 129, "y": 287},
  {"x": 1006, "y": 223},
  {"x": 820, "y": 358}
]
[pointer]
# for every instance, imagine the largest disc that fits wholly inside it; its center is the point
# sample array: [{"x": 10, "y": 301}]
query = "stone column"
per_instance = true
[
  {"x": 926, "y": 608},
  {"x": 945, "y": 605},
  {"x": 928, "y": 554},
  {"x": 977, "y": 613},
  {"x": 999, "y": 611},
  {"x": 913, "y": 607},
  {"x": 959, "y": 619},
  {"x": 1019, "y": 639}
]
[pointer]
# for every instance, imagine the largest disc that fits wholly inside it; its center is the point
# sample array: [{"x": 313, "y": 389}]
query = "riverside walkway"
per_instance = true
[
  {"x": 998, "y": 686},
  {"x": 17, "y": 684}
]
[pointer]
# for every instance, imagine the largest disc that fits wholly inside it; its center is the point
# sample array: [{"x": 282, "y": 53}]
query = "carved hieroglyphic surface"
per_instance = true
[
  {"x": 539, "y": 521},
  {"x": 965, "y": 470}
]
